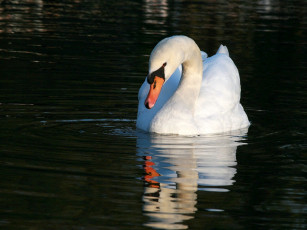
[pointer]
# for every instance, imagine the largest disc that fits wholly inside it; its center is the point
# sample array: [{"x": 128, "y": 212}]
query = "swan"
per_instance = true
[{"x": 188, "y": 93}]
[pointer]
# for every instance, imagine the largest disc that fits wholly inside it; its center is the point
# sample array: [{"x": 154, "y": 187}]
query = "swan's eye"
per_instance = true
[
  {"x": 155, "y": 83},
  {"x": 158, "y": 73}
]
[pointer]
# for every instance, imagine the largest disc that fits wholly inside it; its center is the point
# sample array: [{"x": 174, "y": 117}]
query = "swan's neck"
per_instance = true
[
  {"x": 177, "y": 114},
  {"x": 190, "y": 83}
]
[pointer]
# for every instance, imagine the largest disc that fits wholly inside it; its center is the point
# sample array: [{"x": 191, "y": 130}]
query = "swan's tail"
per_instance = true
[{"x": 223, "y": 50}]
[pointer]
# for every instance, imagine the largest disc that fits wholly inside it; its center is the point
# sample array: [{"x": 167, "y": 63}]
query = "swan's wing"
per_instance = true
[
  {"x": 204, "y": 55},
  {"x": 221, "y": 84},
  {"x": 218, "y": 105}
]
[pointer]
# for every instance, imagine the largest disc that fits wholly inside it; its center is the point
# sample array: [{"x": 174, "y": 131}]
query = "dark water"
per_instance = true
[{"x": 71, "y": 157}]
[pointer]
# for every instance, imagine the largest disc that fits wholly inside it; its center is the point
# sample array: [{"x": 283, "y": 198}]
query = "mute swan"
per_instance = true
[{"x": 187, "y": 93}]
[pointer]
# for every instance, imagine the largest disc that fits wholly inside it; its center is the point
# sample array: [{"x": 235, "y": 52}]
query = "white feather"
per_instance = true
[{"x": 202, "y": 99}]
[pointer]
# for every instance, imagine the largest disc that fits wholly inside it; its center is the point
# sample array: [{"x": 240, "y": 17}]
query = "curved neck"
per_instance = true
[{"x": 190, "y": 82}]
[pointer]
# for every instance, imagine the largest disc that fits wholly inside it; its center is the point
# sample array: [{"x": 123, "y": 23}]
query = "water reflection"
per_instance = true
[
  {"x": 155, "y": 11},
  {"x": 175, "y": 168},
  {"x": 14, "y": 17}
]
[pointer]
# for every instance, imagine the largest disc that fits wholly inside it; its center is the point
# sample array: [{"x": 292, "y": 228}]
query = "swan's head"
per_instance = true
[
  {"x": 156, "y": 80},
  {"x": 164, "y": 60}
]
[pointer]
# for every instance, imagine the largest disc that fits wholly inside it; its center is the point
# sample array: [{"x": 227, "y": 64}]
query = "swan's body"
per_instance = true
[{"x": 200, "y": 95}]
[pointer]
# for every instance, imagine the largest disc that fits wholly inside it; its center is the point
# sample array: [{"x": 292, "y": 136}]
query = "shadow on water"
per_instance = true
[{"x": 176, "y": 168}]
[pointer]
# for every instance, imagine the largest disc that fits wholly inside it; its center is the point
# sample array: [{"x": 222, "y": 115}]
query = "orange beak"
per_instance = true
[{"x": 154, "y": 91}]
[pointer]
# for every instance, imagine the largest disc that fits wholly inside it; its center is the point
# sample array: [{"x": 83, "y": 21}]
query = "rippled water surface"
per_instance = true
[{"x": 71, "y": 157}]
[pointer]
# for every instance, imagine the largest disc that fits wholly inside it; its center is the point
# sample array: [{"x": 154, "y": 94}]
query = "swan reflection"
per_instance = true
[{"x": 176, "y": 167}]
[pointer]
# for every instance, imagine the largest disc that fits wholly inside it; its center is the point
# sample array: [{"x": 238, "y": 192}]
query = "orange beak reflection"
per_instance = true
[{"x": 154, "y": 91}]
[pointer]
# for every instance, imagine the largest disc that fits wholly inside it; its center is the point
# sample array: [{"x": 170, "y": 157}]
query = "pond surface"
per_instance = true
[{"x": 71, "y": 157}]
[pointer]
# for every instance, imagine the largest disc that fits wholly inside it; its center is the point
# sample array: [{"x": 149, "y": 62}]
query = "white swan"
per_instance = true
[{"x": 187, "y": 93}]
